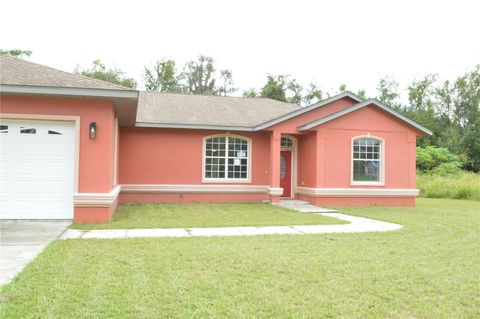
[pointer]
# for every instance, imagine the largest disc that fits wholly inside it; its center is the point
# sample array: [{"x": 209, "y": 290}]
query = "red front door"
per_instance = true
[{"x": 286, "y": 173}]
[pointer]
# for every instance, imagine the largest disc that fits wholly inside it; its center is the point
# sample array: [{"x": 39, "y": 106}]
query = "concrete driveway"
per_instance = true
[{"x": 22, "y": 240}]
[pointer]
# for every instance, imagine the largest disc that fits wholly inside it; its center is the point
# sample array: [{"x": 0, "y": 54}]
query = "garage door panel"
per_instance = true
[{"x": 37, "y": 170}]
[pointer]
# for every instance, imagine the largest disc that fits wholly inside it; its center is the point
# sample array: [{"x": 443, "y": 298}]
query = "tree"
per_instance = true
[
  {"x": 19, "y": 53},
  {"x": 294, "y": 92},
  {"x": 251, "y": 93},
  {"x": 282, "y": 88},
  {"x": 162, "y": 77},
  {"x": 112, "y": 75},
  {"x": 199, "y": 76},
  {"x": 362, "y": 93},
  {"x": 342, "y": 88},
  {"x": 421, "y": 99},
  {"x": 420, "y": 93},
  {"x": 466, "y": 114},
  {"x": 313, "y": 95},
  {"x": 227, "y": 87},
  {"x": 275, "y": 88},
  {"x": 388, "y": 92}
]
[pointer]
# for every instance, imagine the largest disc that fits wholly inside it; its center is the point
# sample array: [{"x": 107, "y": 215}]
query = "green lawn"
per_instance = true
[
  {"x": 429, "y": 269},
  {"x": 206, "y": 215}
]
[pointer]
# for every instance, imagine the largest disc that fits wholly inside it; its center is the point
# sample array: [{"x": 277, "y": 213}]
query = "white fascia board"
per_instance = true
[
  {"x": 308, "y": 109},
  {"x": 196, "y": 126},
  {"x": 84, "y": 92}
]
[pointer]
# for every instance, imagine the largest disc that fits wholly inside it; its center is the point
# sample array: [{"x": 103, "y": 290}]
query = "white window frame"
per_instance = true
[
  {"x": 226, "y": 179},
  {"x": 381, "y": 181},
  {"x": 294, "y": 158}
]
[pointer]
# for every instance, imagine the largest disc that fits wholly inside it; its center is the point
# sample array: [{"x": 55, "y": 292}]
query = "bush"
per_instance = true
[
  {"x": 446, "y": 169},
  {"x": 437, "y": 159},
  {"x": 460, "y": 185}
]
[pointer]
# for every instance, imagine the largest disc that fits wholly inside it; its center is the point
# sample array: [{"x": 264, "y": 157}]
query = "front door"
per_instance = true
[{"x": 286, "y": 173}]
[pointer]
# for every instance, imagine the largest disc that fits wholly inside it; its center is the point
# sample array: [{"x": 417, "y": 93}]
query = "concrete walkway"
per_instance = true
[
  {"x": 22, "y": 240},
  {"x": 356, "y": 225}
]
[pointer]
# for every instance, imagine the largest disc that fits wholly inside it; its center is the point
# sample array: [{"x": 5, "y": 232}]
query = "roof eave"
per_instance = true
[
  {"x": 355, "y": 107},
  {"x": 195, "y": 126},
  {"x": 64, "y": 91}
]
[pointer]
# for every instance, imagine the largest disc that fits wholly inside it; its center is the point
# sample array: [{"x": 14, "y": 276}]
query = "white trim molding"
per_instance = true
[
  {"x": 275, "y": 191},
  {"x": 358, "y": 192},
  {"x": 227, "y": 180},
  {"x": 53, "y": 90},
  {"x": 294, "y": 169},
  {"x": 381, "y": 160},
  {"x": 190, "y": 189},
  {"x": 96, "y": 199}
]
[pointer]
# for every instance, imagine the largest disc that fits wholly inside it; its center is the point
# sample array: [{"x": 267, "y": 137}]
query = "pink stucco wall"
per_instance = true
[
  {"x": 399, "y": 148},
  {"x": 173, "y": 156},
  {"x": 307, "y": 160}
]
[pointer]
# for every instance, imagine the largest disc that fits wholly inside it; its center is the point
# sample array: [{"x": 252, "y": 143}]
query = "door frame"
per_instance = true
[{"x": 293, "y": 166}]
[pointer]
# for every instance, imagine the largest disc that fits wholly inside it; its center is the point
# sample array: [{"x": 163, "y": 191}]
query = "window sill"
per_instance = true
[
  {"x": 226, "y": 181},
  {"x": 367, "y": 184}
]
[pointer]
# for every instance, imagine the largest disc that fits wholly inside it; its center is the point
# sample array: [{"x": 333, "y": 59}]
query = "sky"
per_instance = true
[{"x": 325, "y": 42}]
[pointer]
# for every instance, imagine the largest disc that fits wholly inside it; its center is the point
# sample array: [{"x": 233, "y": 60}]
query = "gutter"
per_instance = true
[{"x": 64, "y": 91}]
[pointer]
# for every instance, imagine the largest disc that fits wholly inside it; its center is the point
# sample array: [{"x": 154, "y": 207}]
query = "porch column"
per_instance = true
[{"x": 275, "y": 191}]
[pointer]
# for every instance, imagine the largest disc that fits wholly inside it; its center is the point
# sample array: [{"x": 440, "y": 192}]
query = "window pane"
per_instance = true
[
  {"x": 366, "y": 171},
  {"x": 24, "y": 130},
  {"x": 286, "y": 142},
  {"x": 226, "y": 153}
]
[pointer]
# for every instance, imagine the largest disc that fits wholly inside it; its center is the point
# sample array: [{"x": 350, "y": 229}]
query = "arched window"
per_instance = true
[
  {"x": 286, "y": 142},
  {"x": 367, "y": 161},
  {"x": 226, "y": 158}
]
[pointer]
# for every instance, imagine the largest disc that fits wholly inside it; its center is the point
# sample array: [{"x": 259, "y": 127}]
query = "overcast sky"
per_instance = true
[{"x": 328, "y": 42}]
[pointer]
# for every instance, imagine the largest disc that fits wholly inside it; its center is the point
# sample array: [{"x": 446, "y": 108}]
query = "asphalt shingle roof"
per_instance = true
[
  {"x": 187, "y": 109},
  {"x": 15, "y": 71}
]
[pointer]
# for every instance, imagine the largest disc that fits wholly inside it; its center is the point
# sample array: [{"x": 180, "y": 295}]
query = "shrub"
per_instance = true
[
  {"x": 430, "y": 158},
  {"x": 447, "y": 168}
]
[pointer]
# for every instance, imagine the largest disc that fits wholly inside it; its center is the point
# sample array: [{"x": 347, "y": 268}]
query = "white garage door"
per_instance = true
[{"x": 36, "y": 169}]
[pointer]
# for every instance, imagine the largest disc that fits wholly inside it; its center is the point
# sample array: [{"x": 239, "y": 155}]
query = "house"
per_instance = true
[{"x": 75, "y": 147}]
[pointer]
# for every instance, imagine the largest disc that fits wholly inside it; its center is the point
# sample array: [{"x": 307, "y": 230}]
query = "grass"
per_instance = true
[
  {"x": 206, "y": 215},
  {"x": 464, "y": 185},
  {"x": 429, "y": 269}
]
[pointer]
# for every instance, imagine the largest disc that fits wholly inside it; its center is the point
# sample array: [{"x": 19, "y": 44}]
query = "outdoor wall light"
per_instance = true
[{"x": 92, "y": 130}]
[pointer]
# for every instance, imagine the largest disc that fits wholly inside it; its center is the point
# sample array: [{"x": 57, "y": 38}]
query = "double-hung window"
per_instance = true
[
  {"x": 367, "y": 161},
  {"x": 226, "y": 158}
]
